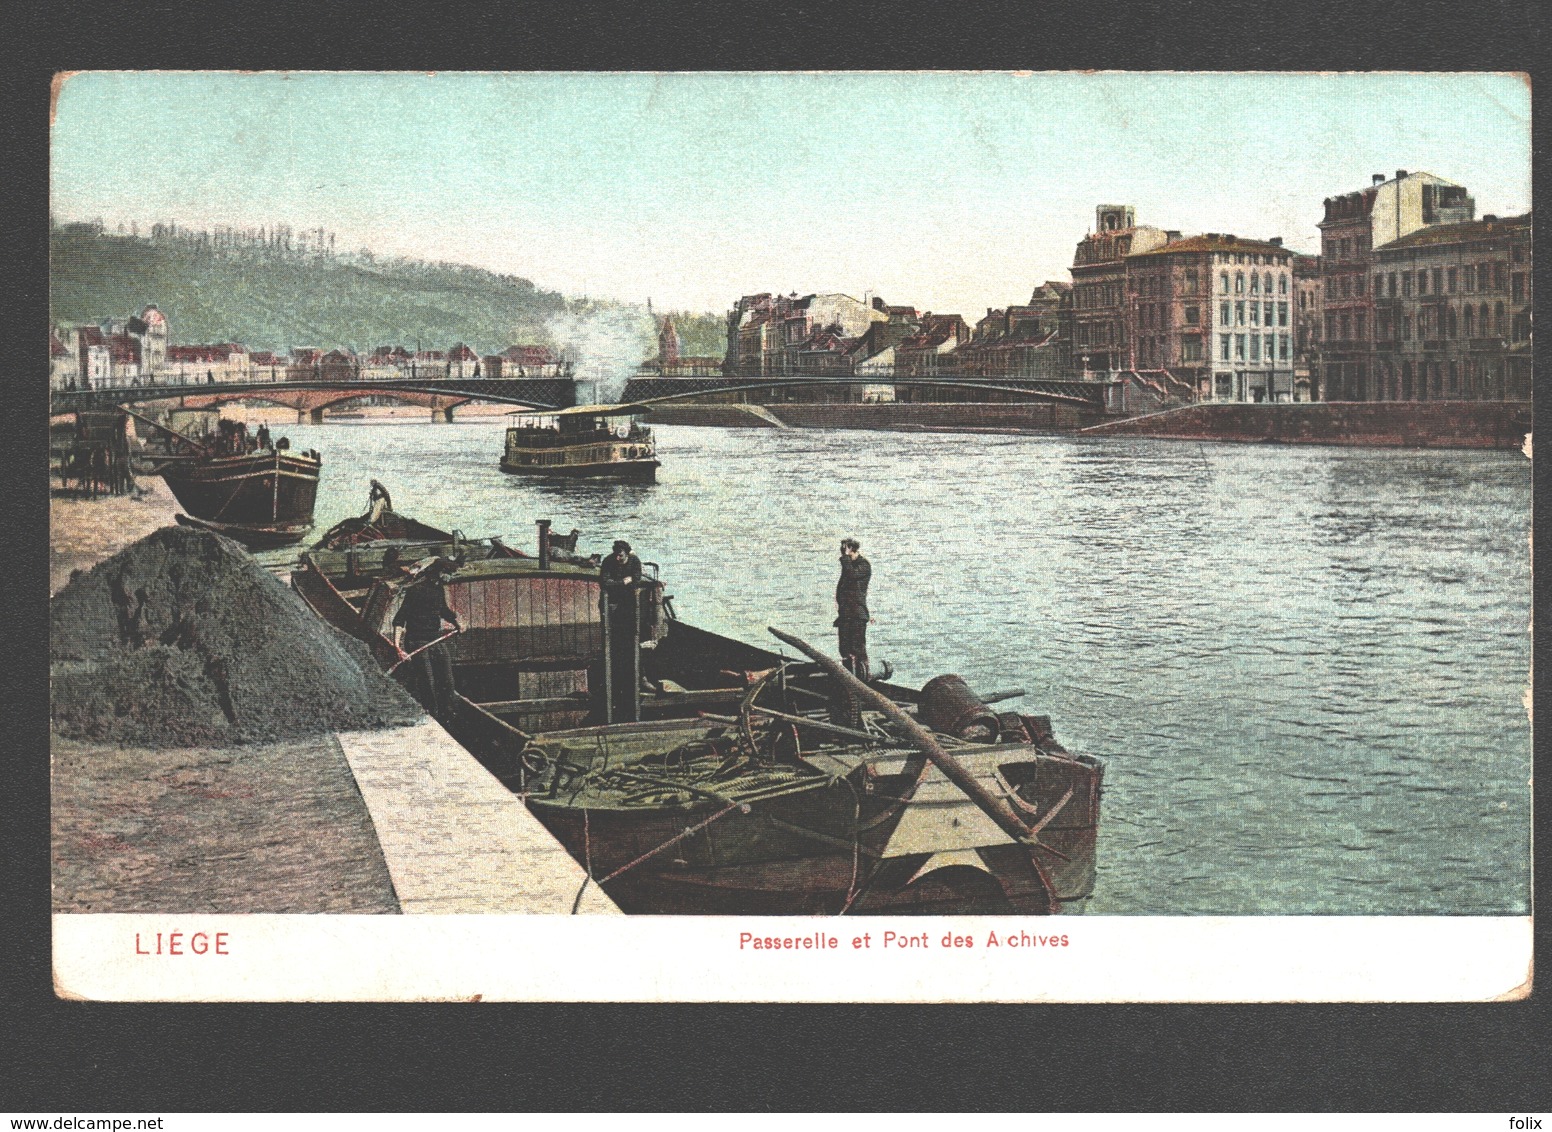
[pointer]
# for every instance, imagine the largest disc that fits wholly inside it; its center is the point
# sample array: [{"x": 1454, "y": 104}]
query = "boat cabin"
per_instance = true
[{"x": 598, "y": 440}]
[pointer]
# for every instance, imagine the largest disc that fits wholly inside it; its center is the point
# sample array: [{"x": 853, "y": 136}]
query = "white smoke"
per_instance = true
[{"x": 605, "y": 344}]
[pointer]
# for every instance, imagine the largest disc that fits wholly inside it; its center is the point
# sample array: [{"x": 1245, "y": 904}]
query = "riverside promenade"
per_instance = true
[{"x": 398, "y": 820}]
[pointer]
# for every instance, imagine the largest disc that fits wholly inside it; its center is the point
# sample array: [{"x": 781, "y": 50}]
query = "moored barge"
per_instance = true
[
  {"x": 691, "y": 773},
  {"x": 258, "y": 492}
]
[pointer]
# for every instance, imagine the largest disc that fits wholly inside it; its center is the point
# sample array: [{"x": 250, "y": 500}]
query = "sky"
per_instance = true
[{"x": 944, "y": 191}]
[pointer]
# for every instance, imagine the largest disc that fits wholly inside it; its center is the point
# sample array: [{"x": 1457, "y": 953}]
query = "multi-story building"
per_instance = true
[
  {"x": 1099, "y": 298},
  {"x": 1018, "y": 341},
  {"x": 1453, "y": 309},
  {"x": 1308, "y": 321},
  {"x": 462, "y": 362},
  {"x": 929, "y": 352},
  {"x": 192, "y": 365},
  {"x": 1214, "y": 312},
  {"x": 767, "y": 333},
  {"x": 1354, "y": 225}
]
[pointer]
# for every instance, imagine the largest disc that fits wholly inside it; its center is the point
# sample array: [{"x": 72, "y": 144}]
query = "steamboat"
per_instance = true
[
  {"x": 591, "y": 441},
  {"x": 691, "y": 773}
]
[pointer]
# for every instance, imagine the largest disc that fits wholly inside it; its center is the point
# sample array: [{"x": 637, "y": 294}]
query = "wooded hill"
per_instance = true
[{"x": 272, "y": 289}]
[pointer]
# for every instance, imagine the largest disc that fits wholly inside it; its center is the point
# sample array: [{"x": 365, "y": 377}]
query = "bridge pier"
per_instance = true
[{"x": 447, "y": 414}]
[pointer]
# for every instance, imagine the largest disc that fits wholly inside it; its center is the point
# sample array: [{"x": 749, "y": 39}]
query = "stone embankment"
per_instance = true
[
  {"x": 889, "y": 416},
  {"x": 1399, "y": 424},
  {"x": 218, "y": 748}
]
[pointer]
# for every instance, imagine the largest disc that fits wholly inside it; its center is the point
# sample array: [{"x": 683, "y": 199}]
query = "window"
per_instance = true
[
  {"x": 1282, "y": 284},
  {"x": 1517, "y": 292},
  {"x": 1223, "y": 346},
  {"x": 1255, "y": 347},
  {"x": 1469, "y": 278},
  {"x": 1471, "y": 320},
  {"x": 1255, "y": 283},
  {"x": 1358, "y": 284},
  {"x": 1255, "y": 314},
  {"x": 1267, "y": 279},
  {"x": 1190, "y": 286},
  {"x": 1406, "y": 327},
  {"x": 1282, "y": 314},
  {"x": 1282, "y": 347},
  {"x": 1438, "y": 281},
  {"x": 1330, "y": 325},
  {"x": 1193, "y": 316},
  {"x": 1266, "y": 313},
  {"x": 1347, "y": 327},
  {"x": 1239, "y": 347},
  {"x": 1239, "y": 314},
  {"x": 1271, "y": 340},
  {"x": 1499, "y": 325},
  {"x": 1191, "y": 348},
  {"x": 1358, "y": 325},
  {"x": 1223, "y": 282},
  {"x": 1454, "y": 377},
  {"x": 1239, "y": 282},
  {"x": 1422, "y": 282},
  {"x": 1224, "y": 317},
  {"x": 1451, "y": 327},
  {"x": 1423, "y": 324},
  {"x": 1390, "y": 284},
  {"x": 1450, "y": 280},
  {"x": 1346, "y": 247},
  {"x": 1500, "y": 273},
  {"x": 1483, "y": 320},
  {"x": 1406, "y": 284}
]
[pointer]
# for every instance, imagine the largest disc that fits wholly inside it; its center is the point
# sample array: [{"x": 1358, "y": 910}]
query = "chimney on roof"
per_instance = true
[
  {"x": 1401, "y": 174},
  {"x": 1276, "y": 241},
  {"x": 1378, "y": 178}
]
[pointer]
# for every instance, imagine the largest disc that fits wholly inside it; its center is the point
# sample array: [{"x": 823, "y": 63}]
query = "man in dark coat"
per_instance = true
[
  {"x": 851, "y": 604},
  {"x": 421, "y": 615}
]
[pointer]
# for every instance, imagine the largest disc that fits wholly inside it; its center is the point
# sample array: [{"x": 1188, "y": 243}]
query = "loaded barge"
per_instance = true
[{"x": 690, "y": 773}]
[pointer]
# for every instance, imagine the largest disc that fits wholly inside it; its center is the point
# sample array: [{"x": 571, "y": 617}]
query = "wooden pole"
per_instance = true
[{"x": 993, "y": 806}]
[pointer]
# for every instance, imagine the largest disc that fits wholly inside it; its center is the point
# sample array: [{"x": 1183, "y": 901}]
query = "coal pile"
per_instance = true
[{"x": 184, "y": 639}]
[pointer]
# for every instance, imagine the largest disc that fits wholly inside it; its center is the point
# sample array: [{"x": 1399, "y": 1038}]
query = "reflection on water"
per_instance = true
[{"x": 1303, "y": 665}]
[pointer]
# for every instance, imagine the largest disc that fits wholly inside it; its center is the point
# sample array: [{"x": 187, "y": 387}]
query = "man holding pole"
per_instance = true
[{"x": 421, "y": 615}]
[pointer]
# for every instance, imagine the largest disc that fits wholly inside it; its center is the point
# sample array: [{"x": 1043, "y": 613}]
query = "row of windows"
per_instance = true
[
  {"x": 1253, "y": 258},
  {"x": 1448, "y": 322},
  {"x": 1447, "y": 281},
  {"x": 1257, "y": 312},
  {"x": 1155, "y": 285},
  {"x": 1256, "y": 344},
  {"x": 1258, "y": 282},
  {"x": 1348, "y": 247}
]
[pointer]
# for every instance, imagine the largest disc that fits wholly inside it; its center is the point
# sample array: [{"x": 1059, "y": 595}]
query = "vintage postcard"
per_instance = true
[{"x": 800, "y": 537}]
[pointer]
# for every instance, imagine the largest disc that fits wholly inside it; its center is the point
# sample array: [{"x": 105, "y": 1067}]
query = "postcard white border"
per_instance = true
[{"x": 264, "y": 958}]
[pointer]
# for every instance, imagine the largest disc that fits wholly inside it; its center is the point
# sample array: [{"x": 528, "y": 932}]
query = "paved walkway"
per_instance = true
[{"x": 454, "y": 838}]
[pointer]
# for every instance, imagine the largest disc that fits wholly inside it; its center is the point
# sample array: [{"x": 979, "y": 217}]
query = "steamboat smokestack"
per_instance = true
[{"x": 544, "y": 543}]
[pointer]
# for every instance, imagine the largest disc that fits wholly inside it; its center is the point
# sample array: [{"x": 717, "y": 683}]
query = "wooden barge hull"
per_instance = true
[
  {"x": 880, "y": 832},
  {"x": 264, "y": 499}
]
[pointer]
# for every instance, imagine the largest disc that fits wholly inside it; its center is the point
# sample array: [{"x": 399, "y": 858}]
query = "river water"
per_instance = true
[{"x": 1304, "y": 667}]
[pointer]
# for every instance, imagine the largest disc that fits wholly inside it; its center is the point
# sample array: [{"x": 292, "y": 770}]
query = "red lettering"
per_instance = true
[
  {"x": 220, "y": 943},
  {"x": 138, "y": 949},
  {"x": 173, "y": 942},
  {"x": 199, "y": 943}
]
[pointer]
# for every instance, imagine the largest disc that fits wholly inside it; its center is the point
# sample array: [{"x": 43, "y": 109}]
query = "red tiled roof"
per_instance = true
[
  {"x": 462, "y": 353},
  {"x": 56, "y": 347},
  {"x": 91, "y": 336}
]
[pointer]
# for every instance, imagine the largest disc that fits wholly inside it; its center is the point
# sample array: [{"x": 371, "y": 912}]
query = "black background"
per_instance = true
[{"x": 84, "y": 1058}]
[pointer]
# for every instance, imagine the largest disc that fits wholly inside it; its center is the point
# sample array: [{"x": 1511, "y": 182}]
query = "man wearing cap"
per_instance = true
[
  {"x": 851, "y": 605},
  {"x": 421, "y": 615}
]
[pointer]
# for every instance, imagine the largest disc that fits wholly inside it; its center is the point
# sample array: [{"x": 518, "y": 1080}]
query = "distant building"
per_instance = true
[
  {"x": 1016, "y": 341},
  {"x": 529, "y": 361},
  {"x": 1453, "y": 313},
  {"x": 124, "y": 360},
  {"x": 462, "y": 362},
  {"x": 928, "y": 352},
  {"x": 1308, "y": 321},
  {"x": 1354, "y": 225},
  {"x": 64, "y": 367},
  {"x": 1099, "y": 298},
  {"x": 769, "y": 334},
  {"x": 1213, "y": 312},
  {"x": 193, "y": 365}
]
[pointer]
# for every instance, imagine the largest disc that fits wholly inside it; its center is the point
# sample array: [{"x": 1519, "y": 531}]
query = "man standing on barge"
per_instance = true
[
  {"x": 851, "y": 603},
  {"x": 421, "y": 615}
]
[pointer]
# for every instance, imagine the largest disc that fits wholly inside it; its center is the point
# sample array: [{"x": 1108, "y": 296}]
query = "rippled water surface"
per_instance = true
[{"x": 1303, "y": 666}]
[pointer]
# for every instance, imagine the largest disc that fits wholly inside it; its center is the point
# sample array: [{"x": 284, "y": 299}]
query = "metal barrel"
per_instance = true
[{"x": 948, "y": 705}]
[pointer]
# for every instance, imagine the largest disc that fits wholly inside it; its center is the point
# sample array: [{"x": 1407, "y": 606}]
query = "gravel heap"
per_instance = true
[{"x": 184, "y": 639}]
